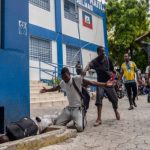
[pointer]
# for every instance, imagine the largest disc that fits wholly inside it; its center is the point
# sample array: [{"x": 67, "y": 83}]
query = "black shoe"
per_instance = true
[
  {"x": 135, "y": 105},
  {"x": 130, "y": 108}
]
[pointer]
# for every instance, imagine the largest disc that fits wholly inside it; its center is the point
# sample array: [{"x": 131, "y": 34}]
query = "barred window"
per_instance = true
[
  {"x": 40, "y": 49},
  {"x": 73, "y": 55},
  {"x": 70, "y": 10},
  {"x": 44, "y": 4}
]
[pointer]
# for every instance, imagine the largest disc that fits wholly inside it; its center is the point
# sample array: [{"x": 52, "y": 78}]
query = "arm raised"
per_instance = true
[
  {"x": 44, "y": 90},
  {"x": 94, "y": 83}
]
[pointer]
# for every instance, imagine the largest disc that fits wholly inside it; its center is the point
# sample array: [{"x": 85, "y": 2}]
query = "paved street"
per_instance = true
[{"x": 132, "y": 132}]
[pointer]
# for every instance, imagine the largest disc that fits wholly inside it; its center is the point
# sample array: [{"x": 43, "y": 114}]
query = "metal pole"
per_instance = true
[
  {"x": 55, "y": 77},
  {"x": 39, "y": 69}
]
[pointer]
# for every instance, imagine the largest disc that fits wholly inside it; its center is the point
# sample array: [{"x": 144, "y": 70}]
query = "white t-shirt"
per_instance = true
[
  {"x": 72, "y": 95},
  {"x": 147, "y": 69}
]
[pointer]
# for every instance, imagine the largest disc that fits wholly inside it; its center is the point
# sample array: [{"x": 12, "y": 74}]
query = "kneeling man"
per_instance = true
[{"x": 74, "y": 111}]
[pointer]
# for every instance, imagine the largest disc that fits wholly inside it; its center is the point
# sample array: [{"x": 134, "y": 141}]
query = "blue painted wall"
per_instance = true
[{"x": 14, "y": 61}]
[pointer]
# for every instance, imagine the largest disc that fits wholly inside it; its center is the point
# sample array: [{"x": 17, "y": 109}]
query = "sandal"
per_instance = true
[
  {"x": 117, "y": 116},
  {"x": 97, "y": 123}
]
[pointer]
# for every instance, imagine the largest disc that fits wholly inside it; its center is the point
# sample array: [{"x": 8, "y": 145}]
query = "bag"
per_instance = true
[
  {"x": 85, "y": 96},
  {"x": 21, "y": 129}
]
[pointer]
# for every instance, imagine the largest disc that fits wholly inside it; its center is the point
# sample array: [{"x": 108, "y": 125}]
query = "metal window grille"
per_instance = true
[
  {"x": 40, "y": 49},
  {"x": 73, "y": 55},
  {"x": 44, "y": 4},
  {"x": 70, "y": 10}
]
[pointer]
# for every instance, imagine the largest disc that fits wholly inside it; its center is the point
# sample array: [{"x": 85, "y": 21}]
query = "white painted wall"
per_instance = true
[
  {"x": 70, "y": 28},
  {"x": 34, "y": 72},
  {"x": 95, "y": 35},
  {"x": 87, "y": 57},
  {"x": 41, "y": 17}
]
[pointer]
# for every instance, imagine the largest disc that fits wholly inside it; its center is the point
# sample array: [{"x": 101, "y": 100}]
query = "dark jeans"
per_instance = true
[{"x": 131, "y": 91}]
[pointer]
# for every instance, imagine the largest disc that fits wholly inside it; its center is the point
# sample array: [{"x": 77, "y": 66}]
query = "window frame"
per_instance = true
[
  {"x": 40, "y": 6},
  {"x": 70, "y": 16},
  {"x": 39, "y": 54},
  {"x": 76, "y": 58}
]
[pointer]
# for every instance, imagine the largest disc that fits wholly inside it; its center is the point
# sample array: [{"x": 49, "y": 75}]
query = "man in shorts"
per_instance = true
[{"x": 104, "y": 69}]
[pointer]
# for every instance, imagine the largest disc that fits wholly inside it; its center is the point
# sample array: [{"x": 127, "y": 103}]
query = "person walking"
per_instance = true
[
  {"x": 129, "y": 72},
  {"x": 78, "y": 68},
  {"x": 104, "y": 68}
]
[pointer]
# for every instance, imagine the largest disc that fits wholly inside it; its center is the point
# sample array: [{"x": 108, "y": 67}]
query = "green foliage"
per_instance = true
[
  {"x": 56, "y": 81},
  {"x": 127, "y": 20}
]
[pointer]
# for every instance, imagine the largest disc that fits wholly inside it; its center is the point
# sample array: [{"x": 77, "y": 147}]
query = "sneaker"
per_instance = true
[{"x": 130, "y": 108}]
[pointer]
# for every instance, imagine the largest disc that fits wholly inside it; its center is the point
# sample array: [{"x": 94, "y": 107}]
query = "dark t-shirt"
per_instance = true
[{"x": 102, "y": 68}]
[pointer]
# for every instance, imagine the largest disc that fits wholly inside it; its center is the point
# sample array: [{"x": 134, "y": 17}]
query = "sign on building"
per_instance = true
[{"x": 87, "y": 20}]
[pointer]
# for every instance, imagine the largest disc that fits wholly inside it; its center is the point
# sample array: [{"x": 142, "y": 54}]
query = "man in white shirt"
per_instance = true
[{"x": 74, "y": 111}]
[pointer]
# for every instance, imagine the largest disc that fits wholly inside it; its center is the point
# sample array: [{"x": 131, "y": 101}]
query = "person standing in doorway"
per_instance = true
[
  {"x": 104, "y": 68},
  {"x": 128, "y": 70},
  {"x": 78, "y": 68}
]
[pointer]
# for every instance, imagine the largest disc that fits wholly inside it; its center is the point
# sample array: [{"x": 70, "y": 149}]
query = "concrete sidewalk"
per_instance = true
[{"x": 132, "y": 132}]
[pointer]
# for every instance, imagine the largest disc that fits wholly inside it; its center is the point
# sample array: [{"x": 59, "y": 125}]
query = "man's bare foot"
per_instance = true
[
  {"x": 117, "y": 115},
  {"x": 97, "y": 123},
  {"x": 131, "y": 107}
]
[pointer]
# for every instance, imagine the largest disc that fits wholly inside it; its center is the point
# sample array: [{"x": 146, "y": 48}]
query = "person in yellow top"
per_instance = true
[{"x": 128, "y": 70}]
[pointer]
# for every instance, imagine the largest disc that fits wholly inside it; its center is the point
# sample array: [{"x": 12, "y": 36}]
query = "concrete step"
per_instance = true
[
  {"x": 48, "y": 104},
  {"x": 44, "y": 99},
  {"x": 37, "y": 91},
  {"x": 39, "y": 87},
  {"x": 37, "y": 83},
  {"x": 46, "y": 96}
]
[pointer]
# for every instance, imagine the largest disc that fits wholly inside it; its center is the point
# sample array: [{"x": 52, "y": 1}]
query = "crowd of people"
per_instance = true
[
  {"x": 107, "y": 85},
  {"x": 78, "y": 98},
  {"x": 107, "y": 76}
]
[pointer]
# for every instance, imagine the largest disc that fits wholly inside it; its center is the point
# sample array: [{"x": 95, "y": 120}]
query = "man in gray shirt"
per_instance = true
[{"x": 74, "y": 110}]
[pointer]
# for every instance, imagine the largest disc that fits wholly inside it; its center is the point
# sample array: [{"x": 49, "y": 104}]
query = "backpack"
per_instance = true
[{"x": 25, "y": 127}]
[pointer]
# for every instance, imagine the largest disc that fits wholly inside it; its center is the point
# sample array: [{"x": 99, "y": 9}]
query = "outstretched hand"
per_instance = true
[
  {"x": 110, "y": 83},
  {"x": 139, "y": 81},
  {"x": 44, "y": 90}
]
